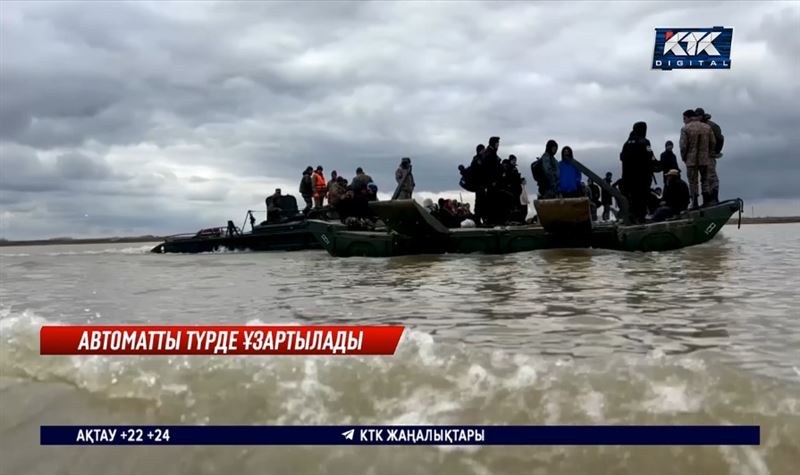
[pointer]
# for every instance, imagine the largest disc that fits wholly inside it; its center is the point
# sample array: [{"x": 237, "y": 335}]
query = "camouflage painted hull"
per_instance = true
[
  {"x": 278, "y": 237},
  {"x": 692, "y": 228}
]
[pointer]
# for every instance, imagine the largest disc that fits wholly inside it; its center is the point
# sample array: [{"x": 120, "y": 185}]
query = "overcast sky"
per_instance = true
[{"x": 136, "y": 118}]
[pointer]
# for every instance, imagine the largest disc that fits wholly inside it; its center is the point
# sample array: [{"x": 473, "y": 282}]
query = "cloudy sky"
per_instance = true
[{"x": 121, "y": 118}]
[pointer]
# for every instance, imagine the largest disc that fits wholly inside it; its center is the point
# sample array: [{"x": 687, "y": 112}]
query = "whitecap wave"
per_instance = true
[
  {"x": 425, "y": 382},
  {"x": 133, "y": 250},
  {"x": 113, "y": 250}
]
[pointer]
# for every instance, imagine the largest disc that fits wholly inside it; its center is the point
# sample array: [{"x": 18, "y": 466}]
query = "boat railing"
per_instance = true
[
  {"x": 175, "y": 237},
  {"x": 623, "y": 214}
]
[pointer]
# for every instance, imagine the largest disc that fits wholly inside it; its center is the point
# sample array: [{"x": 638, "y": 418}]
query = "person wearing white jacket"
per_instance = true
[{"x": 524, "y": 201}]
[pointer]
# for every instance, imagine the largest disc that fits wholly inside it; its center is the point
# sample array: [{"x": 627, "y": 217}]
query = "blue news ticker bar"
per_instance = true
[{"x": 389, "y": 435}]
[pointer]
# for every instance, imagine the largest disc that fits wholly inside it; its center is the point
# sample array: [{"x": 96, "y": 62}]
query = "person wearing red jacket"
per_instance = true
[{"x": 320, "y": 186}]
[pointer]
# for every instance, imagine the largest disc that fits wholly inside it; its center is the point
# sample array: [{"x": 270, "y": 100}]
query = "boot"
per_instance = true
[
  {"x": 713, "y": 197},
  {"x": 706, "y": 199},
  {"x": 695, "y": 205}
]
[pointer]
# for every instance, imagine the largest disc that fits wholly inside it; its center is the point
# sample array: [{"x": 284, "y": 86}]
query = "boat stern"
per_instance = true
[
  {"x": 340, "y": 241},
  {"x": 718, "y": 216},
  {"x": 693, "y": 228},
  {"x": 324, "y": 234}
]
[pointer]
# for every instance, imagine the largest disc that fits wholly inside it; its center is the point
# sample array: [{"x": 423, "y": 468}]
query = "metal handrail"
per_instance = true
[{"x": 621, "y": 200}]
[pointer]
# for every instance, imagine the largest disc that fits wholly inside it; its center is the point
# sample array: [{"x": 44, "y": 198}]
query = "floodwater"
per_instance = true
[{"x": 706, "y": 335}]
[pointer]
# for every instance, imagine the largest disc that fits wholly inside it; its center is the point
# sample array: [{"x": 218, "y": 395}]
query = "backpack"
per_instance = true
[
  {"x": 468, "y": 181},
  {"x": 537, "y": 170}
]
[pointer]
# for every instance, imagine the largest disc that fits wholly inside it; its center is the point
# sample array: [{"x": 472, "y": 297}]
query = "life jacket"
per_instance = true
[{"x": 320, "y": 186}]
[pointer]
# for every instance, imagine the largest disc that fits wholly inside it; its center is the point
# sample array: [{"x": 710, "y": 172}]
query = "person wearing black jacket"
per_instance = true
[
  {"x": 512, "y": 176},
  {"x": 476, "y": 175},
  {"x": 606, "y": 198},
  {"x": 491, "y": 171},
  {"x": 654, "y": 200},
  {"x": 675, "y": 199},
  {"x": 511, "y": 190},
  {"x": 668, "y": 160},
  {"x": 307, "y": 188},
  {"x": 638, "y": 165}
]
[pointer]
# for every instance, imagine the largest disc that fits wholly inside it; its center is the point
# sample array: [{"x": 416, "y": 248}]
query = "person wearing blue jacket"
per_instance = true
[{"x": 569, "y": 177}]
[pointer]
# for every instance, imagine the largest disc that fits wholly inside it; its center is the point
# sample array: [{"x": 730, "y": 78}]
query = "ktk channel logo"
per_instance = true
[{"x": 693, "y": 48}]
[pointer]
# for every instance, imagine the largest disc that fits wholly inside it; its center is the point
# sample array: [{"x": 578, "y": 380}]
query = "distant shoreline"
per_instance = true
[
  {"x": 767, "y": 220},
  {"x": 135, "y": 239},
  {"x": 62, "y": 241}
]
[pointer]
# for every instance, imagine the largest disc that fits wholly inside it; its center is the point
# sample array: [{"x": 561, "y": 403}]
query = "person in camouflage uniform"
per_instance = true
[
  {"x": 706, "y": 119},
  {"x": 405, "y": 180},
  {"x": 697, "y": 144}
]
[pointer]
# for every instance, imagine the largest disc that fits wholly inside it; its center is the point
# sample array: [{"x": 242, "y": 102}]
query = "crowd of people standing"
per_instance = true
[
  {"x": 346, "y": 198},
  {"x": 500, "y": 194},
  {"x": 700, "y": 146},
  {"x": 500, "y": 190},
  {"x": 497, "y": 183}
]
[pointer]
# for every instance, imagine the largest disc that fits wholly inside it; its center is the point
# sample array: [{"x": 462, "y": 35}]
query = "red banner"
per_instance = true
[{"x": 216, "y": 340}]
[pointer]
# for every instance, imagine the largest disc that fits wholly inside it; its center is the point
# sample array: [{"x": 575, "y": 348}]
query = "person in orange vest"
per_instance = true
[{"x": 320, "y": 186}]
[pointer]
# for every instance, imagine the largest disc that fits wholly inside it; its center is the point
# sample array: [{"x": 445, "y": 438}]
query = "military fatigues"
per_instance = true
[
  {"x": 720, "y": 139},
  {"x": 697, "y": 144},
  {"x": 335, "y": 193},
  {"x": 405, "y": 184}
]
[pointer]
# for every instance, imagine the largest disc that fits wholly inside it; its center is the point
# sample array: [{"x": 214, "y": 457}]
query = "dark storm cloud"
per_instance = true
[{"x": 159, "y": 116}]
